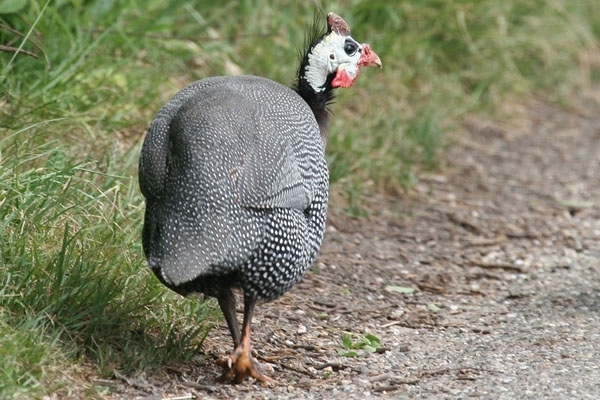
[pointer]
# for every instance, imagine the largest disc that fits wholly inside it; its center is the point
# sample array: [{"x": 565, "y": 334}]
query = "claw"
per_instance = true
[{"x": 241, "y": 365}]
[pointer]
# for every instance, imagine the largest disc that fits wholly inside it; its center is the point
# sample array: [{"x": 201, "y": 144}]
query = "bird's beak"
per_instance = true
[{"x": 368, "y": 57}]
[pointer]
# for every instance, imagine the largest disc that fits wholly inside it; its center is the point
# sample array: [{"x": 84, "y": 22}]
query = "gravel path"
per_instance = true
[{"x": 501, "y": 252}]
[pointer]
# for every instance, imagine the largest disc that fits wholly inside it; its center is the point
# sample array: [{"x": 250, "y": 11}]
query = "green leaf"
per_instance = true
[
  {"x": 347, "y": 340},
  {"x": 575, "y": 203},
  {"x": 351, "y": 353},
  {"x": 432, "y": 307},
  {"x": 370, "y": 349},
  {"x": 400, "y": 289},
  {"x": 11, "y": 6},
  {"x": 373, "y": 340},
  {"x": 368, "y": 343}
]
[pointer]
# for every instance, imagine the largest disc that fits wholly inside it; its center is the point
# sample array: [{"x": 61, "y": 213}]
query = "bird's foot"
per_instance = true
[{"x": 241, "y": 365}]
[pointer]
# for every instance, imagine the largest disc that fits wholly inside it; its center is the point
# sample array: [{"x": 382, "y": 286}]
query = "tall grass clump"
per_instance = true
[
  {"x": 73, "y": 279},
  {"x": 74, "y": 288}
]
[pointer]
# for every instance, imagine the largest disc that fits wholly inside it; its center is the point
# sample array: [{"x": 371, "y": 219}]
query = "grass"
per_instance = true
[
  {"x": 73, "y": 279},
  {"x": 74, "y": 289}
]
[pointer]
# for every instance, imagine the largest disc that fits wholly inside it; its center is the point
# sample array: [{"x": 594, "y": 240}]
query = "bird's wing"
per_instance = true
[
  {"x": 283, "y": 150},
  {"x": 272, "y": 173},
  {"x": 261, "y": 133}
]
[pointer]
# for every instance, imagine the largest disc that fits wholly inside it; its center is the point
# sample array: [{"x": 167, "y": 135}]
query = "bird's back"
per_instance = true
[{"x": 230, "y": 165}]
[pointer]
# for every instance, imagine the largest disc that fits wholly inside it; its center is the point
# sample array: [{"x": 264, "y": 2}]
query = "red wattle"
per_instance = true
[{"x": 342, "y": 79}]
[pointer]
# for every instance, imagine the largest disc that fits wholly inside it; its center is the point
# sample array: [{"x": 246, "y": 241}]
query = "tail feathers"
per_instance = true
[{"x": 178, "y": 252}]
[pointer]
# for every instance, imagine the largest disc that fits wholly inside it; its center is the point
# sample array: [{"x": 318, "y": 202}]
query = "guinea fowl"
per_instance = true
[{"x": 236, "y": 183}]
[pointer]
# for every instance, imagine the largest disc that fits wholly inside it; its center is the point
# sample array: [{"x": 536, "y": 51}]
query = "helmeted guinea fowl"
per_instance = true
[{"x": 236, "y": 183}]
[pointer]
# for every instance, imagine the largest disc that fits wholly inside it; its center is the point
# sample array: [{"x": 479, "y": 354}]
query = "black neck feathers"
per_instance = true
[{"x": 317, "y": 100}]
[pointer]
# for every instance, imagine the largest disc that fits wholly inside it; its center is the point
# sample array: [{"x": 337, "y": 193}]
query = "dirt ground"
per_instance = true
[{"x": 502, "y": 250}]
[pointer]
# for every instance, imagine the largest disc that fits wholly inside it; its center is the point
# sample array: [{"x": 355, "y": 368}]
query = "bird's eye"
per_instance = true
[{"x": 350, "y": 47}]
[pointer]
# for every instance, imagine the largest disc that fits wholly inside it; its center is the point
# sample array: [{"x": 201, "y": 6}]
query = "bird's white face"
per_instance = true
[{"x": 340, "y": 55}]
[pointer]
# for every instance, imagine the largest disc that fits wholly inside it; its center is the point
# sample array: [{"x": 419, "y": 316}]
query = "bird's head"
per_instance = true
[{"x": 335, "y": 58}]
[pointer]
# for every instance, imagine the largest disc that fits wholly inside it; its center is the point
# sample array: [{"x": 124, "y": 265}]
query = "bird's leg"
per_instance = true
[
  {"x": 241, "y": 362},
  {"x": 227, "y": 304}
]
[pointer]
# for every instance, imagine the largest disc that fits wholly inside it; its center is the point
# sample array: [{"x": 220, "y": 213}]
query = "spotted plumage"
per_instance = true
[
  {"x": 236, "y": 183},
  {"x": 242, "y": 179}
]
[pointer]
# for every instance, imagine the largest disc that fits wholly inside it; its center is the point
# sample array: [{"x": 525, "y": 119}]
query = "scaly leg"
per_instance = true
[
  {"x": 241, "y": 364},
  {"x": 227, "y": 304}
]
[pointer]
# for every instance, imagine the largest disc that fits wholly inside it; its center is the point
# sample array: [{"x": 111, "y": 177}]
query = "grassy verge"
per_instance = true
[
  {"x": 73, "y": 284},
  {"x": 74, "y": 289}
]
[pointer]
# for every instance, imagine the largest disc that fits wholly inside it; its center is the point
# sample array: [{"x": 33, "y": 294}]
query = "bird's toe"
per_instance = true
[{"x": 239, "y": 366}]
